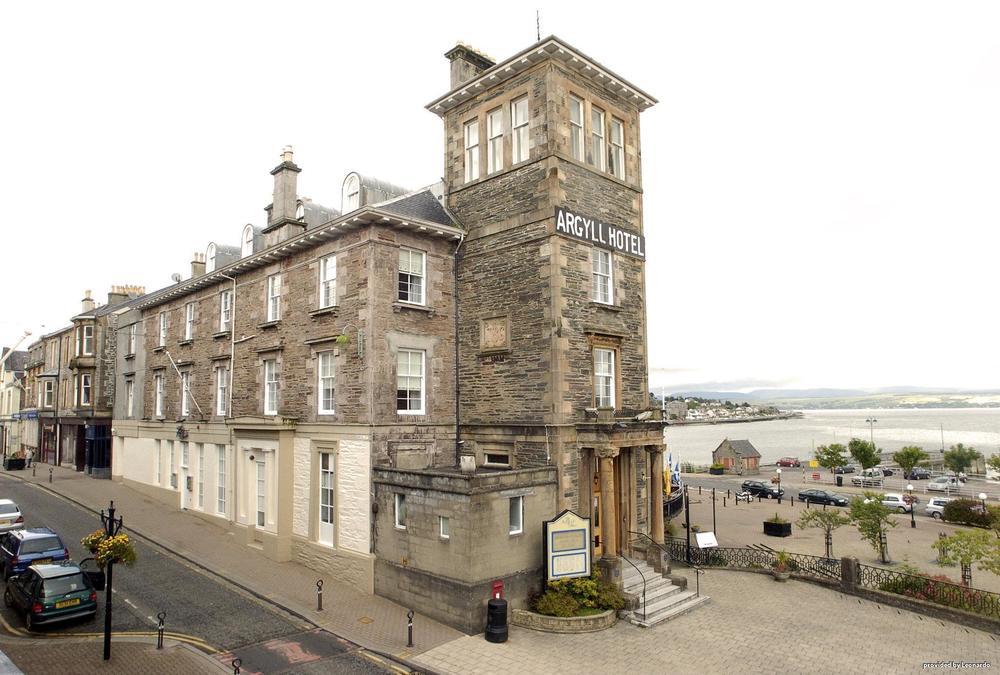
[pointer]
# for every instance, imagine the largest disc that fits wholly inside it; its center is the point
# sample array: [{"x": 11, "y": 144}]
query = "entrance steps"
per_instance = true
[{"x": 664, "y": 600}]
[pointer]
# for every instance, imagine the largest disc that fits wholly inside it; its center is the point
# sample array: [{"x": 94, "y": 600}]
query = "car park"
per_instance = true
[
  {"x": 935, "y": 507},
  {"x": 850, "y": 468},
  {"x": 897, "y": 502},
  {"x": 918, "y": 473},
  {"x": 761, "y": 489},
  {"x": 788, "y": 461},
  {"x": 814, "y": 496},
  {"x": 50, "y": 593},
  {"x": 944, "y": 484},
  {"x": 11, "y": 517},
  {"x": 31, "y": 546}
]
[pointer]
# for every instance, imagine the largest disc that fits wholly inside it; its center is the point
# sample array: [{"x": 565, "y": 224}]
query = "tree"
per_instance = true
[
  {"x": 864, "y": 453},
  {"x": 831, "y": 456},
  {"x": 828, "y": 521},
  {"x": 967, "y": 547},
  {"x": 994, "y": 462},
  {"x": 873, "y": 520},
  {"x": 960, "y": 458},
  {"x": 909, "y": 457}
]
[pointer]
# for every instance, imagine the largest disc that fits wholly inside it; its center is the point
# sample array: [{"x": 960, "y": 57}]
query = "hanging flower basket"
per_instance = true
[
  {"x": 116, "y": 549},
  {"x": 93, "y": 540}
]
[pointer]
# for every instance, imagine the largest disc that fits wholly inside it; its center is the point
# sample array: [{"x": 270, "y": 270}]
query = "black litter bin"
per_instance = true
[
  {"x": 840, "y": 480},
  {"x": 496, "y": 620}
]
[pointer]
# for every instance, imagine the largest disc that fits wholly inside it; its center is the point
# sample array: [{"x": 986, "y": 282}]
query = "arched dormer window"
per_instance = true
[
  {"x": 210, "y": 258},
  {"x": 351, "y": 196},
  {"x": 300, "y": 211},
  {"x": 246, "y": 247}
]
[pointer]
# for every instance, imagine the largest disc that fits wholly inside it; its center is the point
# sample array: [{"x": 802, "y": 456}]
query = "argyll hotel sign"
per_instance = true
[{"x": 600, "y": 234}]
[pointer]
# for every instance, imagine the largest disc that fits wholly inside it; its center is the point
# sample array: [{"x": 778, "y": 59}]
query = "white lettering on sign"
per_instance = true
[{"x": 600, "y": 233}]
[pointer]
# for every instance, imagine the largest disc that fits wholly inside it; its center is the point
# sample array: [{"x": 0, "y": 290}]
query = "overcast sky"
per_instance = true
[{"x": 821, "y": 179}]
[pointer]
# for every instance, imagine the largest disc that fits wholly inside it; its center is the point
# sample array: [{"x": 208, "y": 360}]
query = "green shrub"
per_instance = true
[
  {"x": 557, "y": 603},
  {"x": 718, "y": 465},
  {"x": 582, "y": 595},
  {"x": 970, "y": 512},
  {"x": 609, "y": 597}
]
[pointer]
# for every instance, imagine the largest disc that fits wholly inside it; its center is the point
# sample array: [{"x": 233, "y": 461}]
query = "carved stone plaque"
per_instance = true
[{"x": 494, "y": 334}]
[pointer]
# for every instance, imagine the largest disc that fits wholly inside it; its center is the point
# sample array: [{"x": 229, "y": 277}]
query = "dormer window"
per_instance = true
[
  {"x": 300, "y": 211},
  {"x": 210, "y": 258},
  {"x": 351, "y": 195},
  {"x": 247, "y": 245}
]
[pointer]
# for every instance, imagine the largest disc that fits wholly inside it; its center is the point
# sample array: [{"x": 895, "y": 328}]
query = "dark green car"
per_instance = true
[{"x": 50, "y": 593}]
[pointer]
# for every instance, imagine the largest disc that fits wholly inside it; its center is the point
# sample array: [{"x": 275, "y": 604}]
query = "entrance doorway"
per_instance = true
[
  {"x": 595, "y": 514},
  {"x": 326, "y": 498}
]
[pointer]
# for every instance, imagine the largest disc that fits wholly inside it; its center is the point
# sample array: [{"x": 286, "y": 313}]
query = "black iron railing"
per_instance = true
[{"x": 929, "y": 589}]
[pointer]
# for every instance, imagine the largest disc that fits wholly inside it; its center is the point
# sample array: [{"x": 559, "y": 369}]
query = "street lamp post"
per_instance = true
[
  {"x": 111, "y": 526},
  {"x": 778, "y": 471},
  {"x": 871, "y": 430},
  {"x": 982, "y": 499},
  {"x": 909, "y": 488}
]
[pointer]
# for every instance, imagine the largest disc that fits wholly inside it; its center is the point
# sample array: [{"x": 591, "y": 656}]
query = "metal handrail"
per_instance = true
[
  {"x": 643, "y": 577},
  {"x": 651, "y": 541}
]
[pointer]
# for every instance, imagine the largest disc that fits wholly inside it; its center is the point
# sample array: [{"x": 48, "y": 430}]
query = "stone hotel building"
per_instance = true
[{"x": 398, "y": 393}]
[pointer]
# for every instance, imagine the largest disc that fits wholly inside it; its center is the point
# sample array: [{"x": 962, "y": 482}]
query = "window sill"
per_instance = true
[
  {"x": 186, "y": 343},
  {"x": 221, "y": 334},
  {"x": 401, "y": 529},
  {"x": 515, "y": 534},
  {"x": 130, "y": 356},
  {"x": 410, "y": 413},
  {"x": 332, "y": 309},
  {"x": 605, "y": 306},
  {"x": 398, "y": 306},
  {"x": 268, "y": 324},
  {"x": 159, "y": 348}
]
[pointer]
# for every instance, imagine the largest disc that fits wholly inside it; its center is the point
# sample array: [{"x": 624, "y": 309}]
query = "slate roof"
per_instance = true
[
  {"x": 15, "y": 363},
  {"x": 744, "y": 448},
  {"x": 421, "y": 204},
  {"x": 316, "y": 214}
]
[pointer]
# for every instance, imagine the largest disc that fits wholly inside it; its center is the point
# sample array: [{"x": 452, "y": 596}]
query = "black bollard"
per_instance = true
[
  {"x": 409, "y": 628},
  {"x": 727, "y": 492},
  {"x": 159, "y": 630},
  {"x": 33, "y": 470},
  {"x": 699, "y": 489},
  {"x": 723, "y": 502},
  {"x": 319, "y": 595},
  {"x": 50, "y": 474},
  {"x": 792, "y": 500},
  {"x": 236, "y": 666}
]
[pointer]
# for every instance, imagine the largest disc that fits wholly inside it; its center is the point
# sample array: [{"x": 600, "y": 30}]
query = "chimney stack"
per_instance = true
[
  {"x": 120, "y": 294},
  {"x": 281, "y": 221},
  {"x": 197, "y": 265},
  {"x": 466, "y": 63},
  {"x": 88, "y": 302}
]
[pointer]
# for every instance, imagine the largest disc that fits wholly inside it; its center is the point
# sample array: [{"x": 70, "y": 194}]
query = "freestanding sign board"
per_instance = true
[{"x": 567, "y": 546}]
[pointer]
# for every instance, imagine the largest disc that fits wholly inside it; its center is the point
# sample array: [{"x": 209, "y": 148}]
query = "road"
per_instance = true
[{"x": 201, "y": 608}]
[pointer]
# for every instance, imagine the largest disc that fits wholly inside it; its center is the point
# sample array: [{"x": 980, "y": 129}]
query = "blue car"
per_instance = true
[{"x": 36, "y": 545}]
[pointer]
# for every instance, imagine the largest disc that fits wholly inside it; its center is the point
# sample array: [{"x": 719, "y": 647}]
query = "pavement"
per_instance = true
[
  {"x": 751, "y": 624},
  {"x": 85, "y": 656},
  {"x": 375, "y": 623}
]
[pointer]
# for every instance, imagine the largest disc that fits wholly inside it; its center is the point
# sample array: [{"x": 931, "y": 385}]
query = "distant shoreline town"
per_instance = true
[{"x": 696, "y": 410}]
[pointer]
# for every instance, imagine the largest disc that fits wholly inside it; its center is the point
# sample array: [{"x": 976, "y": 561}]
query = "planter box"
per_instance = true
[
  {"x": 716, "y": 472},
  {"x": 557, "y": 624},
  {"x": 13, "y": 463},
  {"x": 777, "y": 529}
]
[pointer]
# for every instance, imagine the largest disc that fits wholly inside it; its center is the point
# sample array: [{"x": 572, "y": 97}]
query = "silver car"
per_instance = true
[
  {"x": 935, "y": 507},
  {"x": 10, "y": 516}
]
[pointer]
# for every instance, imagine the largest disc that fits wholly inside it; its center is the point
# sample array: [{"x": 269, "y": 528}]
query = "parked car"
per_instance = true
[
  {"x": 850, "y": 468},
  {"x": 51, "y": 593},
  {"x": 935, "y": 507},
  {"x": 788, "y": 461},
  {"x": 10, "y": 516},
  {"x": 868, "y": 478},
  {"x": 31, "y": 546},
  {"x": 944, "y": 484},
  {"x": 814, "y": 496},
  {"x": 760, "y": 489},
  {"x": 918, "y": 473},
  {"x": 885, "y": 471},
  {"x": 896, "y": 501}
]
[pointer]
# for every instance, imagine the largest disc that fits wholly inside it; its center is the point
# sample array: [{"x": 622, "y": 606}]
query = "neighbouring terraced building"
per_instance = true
[{"x": 399, "y": 392}]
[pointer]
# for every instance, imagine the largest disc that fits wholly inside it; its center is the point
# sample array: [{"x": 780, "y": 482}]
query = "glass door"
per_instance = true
[
  {"x": 326, "y": 466},
  {"x": 261, "y": 494}
]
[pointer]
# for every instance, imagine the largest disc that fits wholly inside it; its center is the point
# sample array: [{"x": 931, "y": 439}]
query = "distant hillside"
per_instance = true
[{"x": 887, "y": 397}]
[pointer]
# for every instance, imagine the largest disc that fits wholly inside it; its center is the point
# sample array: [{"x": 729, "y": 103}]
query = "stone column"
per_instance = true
[
  {"x": 609, "y": 514},
  {"x": 656, "y": 485}
]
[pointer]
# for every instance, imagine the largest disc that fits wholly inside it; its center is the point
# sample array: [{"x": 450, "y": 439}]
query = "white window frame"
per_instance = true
[
  {"x": 603, "y": 281},
  {"x": 328, "y": 282},
  {"x": 225, "y": 311},
  {"x": 326, "y": 529},
  {"x": 185, "y": 393},
  {"x": 494, "y": 141},
  {"x": 351, "y": 194},
  {"x": 598, "y": 145},
  {"x": 326, "y": 377},
  {"x": 444, "y": 527},
  {"x": 246, "y": 245},
  {"x": 159, "y": 462},
  {"x": 515, "y": 507},
  {"x": 617, "y": 167},
  {"x": 85, "y": 341},
  {"x": 520, "y": 150},
  {"x": 201, "y": 476},
  {"x": 604, "y": 378},
  {"x": 48, "y": 389},
  {"x": 470, "y": 132},
  {"x": 422, "y": 378},
  {"x": 399, "y": 511},
  {"x": 221, "y": 389},
  {"x": 132, "y": 334},
  {"x": 220, "y": 485},
  {"x": 86, "y": 389},
  {"x": 410, "y": 275},
  {"x": 129, "y": 397},
  {"x": 576, "y": 130},
  {"x": 274, "y": 297},
  {"x": 260, "y": 488},
  {"x": 271, "y": 386},
  {"x": 210, "y": 258},
  {"x": 158, "y": 394},
  {"x": 189, "y": 321},
  {"x": 163, "y": 329}
]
